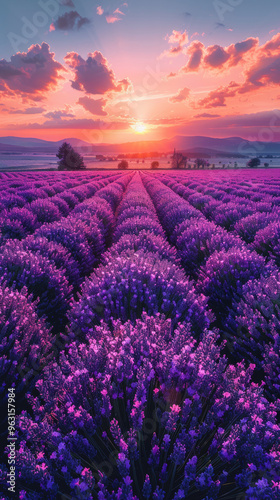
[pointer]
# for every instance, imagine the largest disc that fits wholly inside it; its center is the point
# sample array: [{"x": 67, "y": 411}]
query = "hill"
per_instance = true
[{"x": 189, "y": 144}]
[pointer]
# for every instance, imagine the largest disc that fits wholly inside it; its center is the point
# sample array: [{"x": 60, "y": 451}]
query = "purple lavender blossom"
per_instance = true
[{"x": 228, "y": 428}]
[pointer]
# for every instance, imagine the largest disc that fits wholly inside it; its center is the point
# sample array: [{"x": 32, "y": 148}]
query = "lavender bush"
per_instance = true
[
  {"x": 22, "y": 268},
  {"x": 25, "y": 341},
  {"x": 45, "y": 211},
  {"x": 179, "y": 423},
  {"x": 126, "y": 287},
  {"x": 72, "y": 235},
  {"x": 146, "y": 240},
  {"x": 197, "y": 243},
  {"x": 224, "y": 274},
  {"x": 56, "y": 254}
]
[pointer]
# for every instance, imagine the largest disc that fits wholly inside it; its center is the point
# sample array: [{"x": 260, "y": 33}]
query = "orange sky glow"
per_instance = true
[{"x": 100, "y": 84}]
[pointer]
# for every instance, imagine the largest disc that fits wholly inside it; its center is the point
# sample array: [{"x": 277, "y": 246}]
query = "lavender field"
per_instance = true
[{"x": 140, "y": 334}]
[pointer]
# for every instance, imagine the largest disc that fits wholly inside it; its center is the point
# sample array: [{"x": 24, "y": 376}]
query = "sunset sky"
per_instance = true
[{"x": 112, "y": 71}]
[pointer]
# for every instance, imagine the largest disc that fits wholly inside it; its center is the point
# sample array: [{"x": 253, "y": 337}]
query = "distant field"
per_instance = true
[
  {"x": 140, "y": 320},
  {"x": 19, "y": 162}
]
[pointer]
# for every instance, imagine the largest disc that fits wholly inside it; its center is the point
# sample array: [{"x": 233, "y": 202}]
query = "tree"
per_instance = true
[
  {"x": 123, "y": 165},
  {"x": 266, "y": 165},
  {"x": 200, "y": 162},
  {"x": 69, "y": 158},
  {"x": 154, "y": 164},
  {"x": 254, "y": 162},
  {"x": 178, "y": 160}
]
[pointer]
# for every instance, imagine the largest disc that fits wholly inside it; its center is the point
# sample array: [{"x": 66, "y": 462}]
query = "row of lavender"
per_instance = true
[
  {"x": 240, "y": 277},
  {"x": 27, "y": 203},
  {"x": 141, "y": 401},
  {"x": 40, "y": 276}
]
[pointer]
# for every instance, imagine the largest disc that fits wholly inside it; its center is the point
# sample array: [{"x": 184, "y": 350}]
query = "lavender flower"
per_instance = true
[
  {"x": 124, "y": 288},
  {"x": 230, "y": 428},
  {"x": 25, "y": 340}
]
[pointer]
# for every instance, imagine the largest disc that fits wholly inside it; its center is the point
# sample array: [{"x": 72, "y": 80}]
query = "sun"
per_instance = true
[{"x": 139, "y": 127}]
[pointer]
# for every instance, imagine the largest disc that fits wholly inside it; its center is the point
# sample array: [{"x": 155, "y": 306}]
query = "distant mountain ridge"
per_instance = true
[{"x": 207, "y": 145}]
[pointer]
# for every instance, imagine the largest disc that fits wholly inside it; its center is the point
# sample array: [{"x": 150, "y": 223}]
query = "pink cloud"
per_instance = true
[
  {"x": 94, "y": 106},
  {"x": 238, "y": 50},
  {"x": 217, "y": 57},
  {"x": 74, "y": 123},
  {"x": 31, "y": 74},
  {"x": 266, "y": 71},
  {"x": 179, "y": 38},
  {"x": 118, "y": 11},
  {"x": 207, "y": 115},
  {"x": 195, "y": 53},
  {"x": 262, "y": 72},
  {"x": 217, "y": 98},
  {"x": 94, "y": 75},
  {"x": 272, "y": 46},
  {"x": 111, "y": 18},
  {"x": 59, "y": 113},
  {"x": 182, "y": 95},
  {"x": 21, "y": 111}
]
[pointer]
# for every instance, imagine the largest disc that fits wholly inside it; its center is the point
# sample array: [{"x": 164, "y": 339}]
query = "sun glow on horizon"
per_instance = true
[{"x": 140, "y": 128}]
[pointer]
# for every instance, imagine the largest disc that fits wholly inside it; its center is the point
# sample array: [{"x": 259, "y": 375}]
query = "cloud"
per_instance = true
[
  {"x": 7, "y": 71},
  {"x": 217, "y": 98},
  {"x": 247, "y": 126},
  {"x": 180, "y": 40},
  {"x": 182, "y": 95},
  {"x": 272, "y": 46},
  {"x": 94, "y": 75},
  {"x": 76, "y": 123},
  {"x": 58, "y": 114},
  {"x": 99, "y": 10},
  {"x": 207, "y": 115},
  {"x": 172, "y": 75},
  {"x": 94, "y": 106},
  {"x": 195, "y": 53},
  {"x": 269, "y": 119},
  {"x": 112, "y": 17},
  {"x": 238, "y": 50},
  {"x": 67, "y": 3},
  {"x": 217, "y": 57},
  {"x": 30, "y": 74},
  {"x": 222, "y": 25},
  {"x": 118, "y": 11},
  {"x": 27, "y": 111},
  {"x": 264, "y": 70},
  {"x": 165, "y": 121},
  {"x": 69, "y": 21}
]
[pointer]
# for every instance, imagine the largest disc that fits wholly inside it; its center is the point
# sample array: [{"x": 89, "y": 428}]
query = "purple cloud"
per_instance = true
[
  {"x": 94, "y": 75},
  {"x": 94, "y": 106},
  {"x": 69, "y": 21},
  {"x": 30, "y": 74}
]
